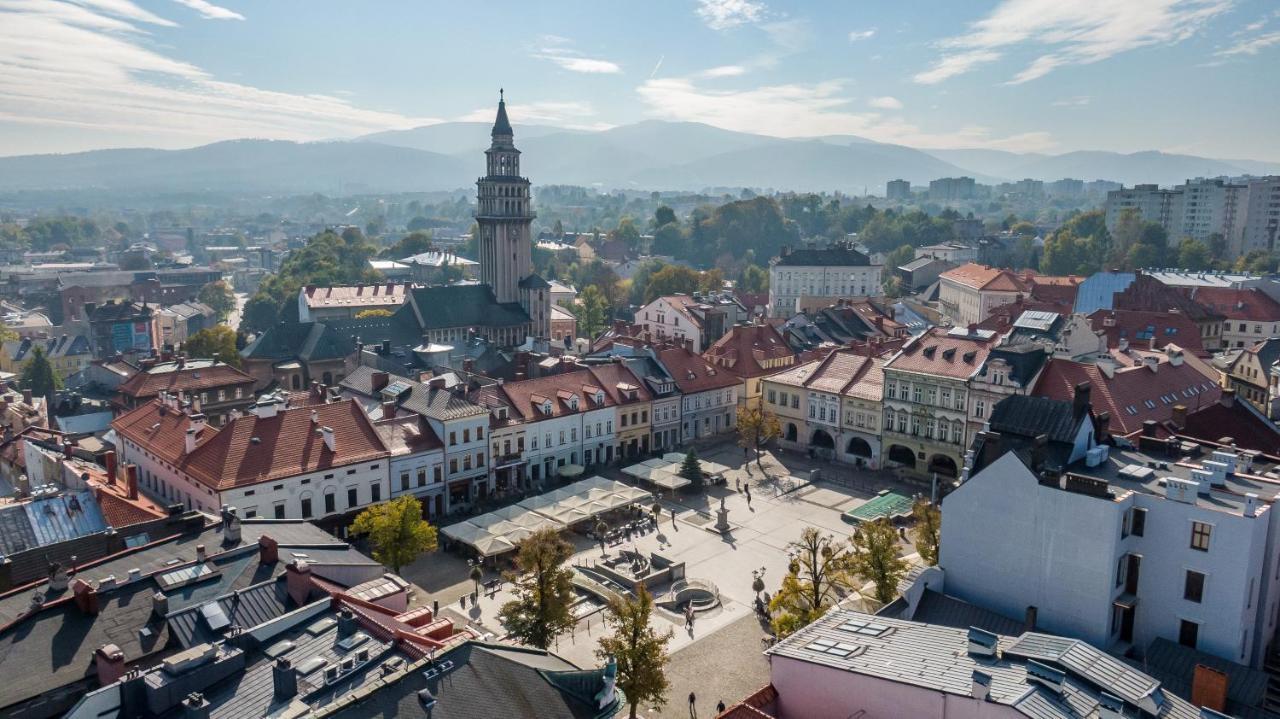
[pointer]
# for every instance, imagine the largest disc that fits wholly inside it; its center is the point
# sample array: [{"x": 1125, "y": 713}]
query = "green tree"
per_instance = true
[
  {"x": 414, "y": 243},
  {"x": 1194, "y": 255},
  {"x": 639, "y": 651},
  {"x": 663, "y": 216},
  {"x": 756, "y": 428},
  {"x": 39, "y": 375},
  {"x": 542, "y": 608},
  {"x": 327, "y": 259},
  {"x": 816, "y": 578},
  {"x": 259, "y": 313},
  {"x": 874, "y": 557},
  {"x": 397, "y": 531},
  {"x": 671, "y": 280},
  {"x": 753, "y": 278},
  {"x": 926, "y": 533},
  {"x": 135, "y": 261},
  {"x": 592, "y": 310},
  {"x": 217, "y": 342},
  {"x": 220, "y": 298},
  {"x": 418, "y": 224},
  {"x": 691, "y": 469},
  {"x": 900, "y": 257}
]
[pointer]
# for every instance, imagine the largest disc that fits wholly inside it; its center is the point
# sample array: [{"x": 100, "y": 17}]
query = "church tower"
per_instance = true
[{"x": 504, "y": 217}]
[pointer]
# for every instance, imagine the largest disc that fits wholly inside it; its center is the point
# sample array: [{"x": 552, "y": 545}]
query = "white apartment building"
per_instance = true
[
  {"x": 698, "y": 319},
  {"x": 1246, "y": 214},
  {"x": 311, "y": 462},
  {"x": 1115, "y": 546},
  {"x": 969, "y": 293},
  {"x": 835, "y": 272}
]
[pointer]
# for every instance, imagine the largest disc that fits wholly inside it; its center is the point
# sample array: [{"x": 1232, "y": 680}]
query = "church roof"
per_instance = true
[
  {"x": 534, "y": 282},
  {"x": 501, "y": 125},
  {"x": 447, "y": 306}
]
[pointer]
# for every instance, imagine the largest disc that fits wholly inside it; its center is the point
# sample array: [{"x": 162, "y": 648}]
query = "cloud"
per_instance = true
[
  {"x": 725, "y": 14},
  {"x": 575, "y": 115},
  {"x": 723, "y": 71},
  {"x": 658, "y": 65},
  {"x": 1069, "y": 33},
  {"x": 807, "y": 110},
  {"x": 856, "y": 35},
  {"x": 209, "y": 11},
  {"x": 1252, "y": 46},
  {"x": 556, "y": 49},
  {"x": 1078, "y": 101},
  {"x": 886, "y": 103},
  {"x": 86, "y": 66}
]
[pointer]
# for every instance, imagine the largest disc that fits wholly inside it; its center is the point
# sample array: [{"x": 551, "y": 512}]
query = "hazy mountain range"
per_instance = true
[{"x": 650, "y": 155}]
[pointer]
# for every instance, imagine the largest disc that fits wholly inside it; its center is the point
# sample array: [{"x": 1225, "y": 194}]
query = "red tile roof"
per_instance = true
[
  {"x": 692, "y": 373},
  {"x": 1148, "y": 293},
  {"x": 194, "y": 376},
  {"x": 1237, "y": 304},
  {"x": 1003, "y": 317},
  {"x": 288, "y": 444},
  {"x": 751, "y": 351},
  {"x": 524, "y": 395},
  {"x": 937, "y": 352},
  {"x": 1140, "y": 327},
  {"x": 1060, "y": 290},
  {"x": 382, "y": 295},
  {"x": 1135, "y": 392},
  {"x": 613, "y": 377},
  {"x": 981, "y": 277},
  {"x": 1239, "y": 421}
]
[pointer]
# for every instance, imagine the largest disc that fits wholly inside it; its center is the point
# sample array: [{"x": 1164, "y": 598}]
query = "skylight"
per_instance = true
[
  {"x": 832, "y": 647},
  {"x": 870, "y": 629}
]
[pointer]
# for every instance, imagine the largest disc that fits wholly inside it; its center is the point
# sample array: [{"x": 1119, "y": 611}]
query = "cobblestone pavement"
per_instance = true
[{"x": 727, "y": 665}]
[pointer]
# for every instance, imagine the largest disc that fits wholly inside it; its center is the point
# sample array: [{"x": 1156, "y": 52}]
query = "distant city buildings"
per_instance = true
[{"x": 1242, "y": 216}]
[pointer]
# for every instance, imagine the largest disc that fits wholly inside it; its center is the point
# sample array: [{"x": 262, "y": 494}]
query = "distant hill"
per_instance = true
[{"x": 649, "y": 155}]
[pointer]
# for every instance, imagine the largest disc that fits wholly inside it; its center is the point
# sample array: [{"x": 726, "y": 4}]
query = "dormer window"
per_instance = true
[
  {"x": 600, "y": 398},
  {"x": 546, "y": 407}
]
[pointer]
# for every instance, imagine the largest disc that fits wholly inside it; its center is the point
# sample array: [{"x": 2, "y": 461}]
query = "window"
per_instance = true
[
  {"x": 773, "y": 397},
  {"x": 279, "y": 510},
  {"x": 916, "y": 393},
  {"x": 330, "y": 505},
  {"x": 1120, "y": 567},
  {"x": 353, "y": 497},
  {"x": 435, "y": 475},
  {"x": 1139, "y": 523},
  {"x": 404, "y": 481},
  {"x": 376, "y": 489},
  {"x": 453, "y": 438},
  {"x": 479, "y": 459},
  {"x": 1193, "y": 587},
  {"x": 306, "y": 508},
  {"x": 1188, "y": 633},
  {"x": 1200, "y": 536},
  {"x": 795, "y": 401},
  {"x": 422, "y": 477},
  {"x": 466, "y": 435},
  {"x": 479, "y": 432},
  {"x": 466, "y": 462},
  {"x": 979, "y": 408},
  {"x": 453, "y": 466}
]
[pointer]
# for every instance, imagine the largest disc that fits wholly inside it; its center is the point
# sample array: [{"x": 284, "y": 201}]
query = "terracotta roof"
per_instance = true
[
  {"x": 746, "y": 349},
  {"x": 1003, "y": 316},
  {"x": 191, "y": 376},
  {"x": 1140, "y": 327},
  {"x": 287, "y": 444},
  {"x": 1239, "y": 420},
  {"x": 692, "y": 373},
  {"x": 614, "y": 377},
  {"x": 938, "y": 352},
  {"x": 407, "y": 435},
  {"x": 981, "y": 277},
  {"x": 1237, "y": 304},
  {"x": 1148, "y": 293},
  {"x": 1057, "y": 289},
  {"x": 1135, "y": 392},
  {"x": 843, "y": 371},
  {"x": 380, "y": 295},
  {"x": 523, "y": 395}
]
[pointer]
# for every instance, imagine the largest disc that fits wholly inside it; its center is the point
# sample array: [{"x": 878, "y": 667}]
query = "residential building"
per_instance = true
[
  {"x": 1115, "y": 544},
  {"x": 1147, "y": 330},
  {"x": 751, "y": 352},
  {"x": 633, "y": 403},
  {"x": 897, "y": 190},
  {"x": 459, "y": 423},
  {"x": 1067, "y": 336},
  {"x": 569, "y": 419},
  {"x": 832, "y": 407},
  {"x": 564, "y": 295},
  {"x": 177, "y": 322},
  {"x": 850, "y": 664},
  {"x": 1010, "y": 369},
  {"x": 954, "y": 252},
  {"x": 1255, "y": 376},
  {"x": 951, "y": 189},
  {"x": 708, "y": 396},
  {"x": 219, "y": 389},
  {"x": 664, "y": 414},
  {"x": 439, "y": 267},
  {"x": 1241, "y": 215},
  {"x": 969, "y": 293},
  {"x": 77, "y": 294},
  {"x": 927, "y": 407},
  {"x": 67, "y": 353},
  {"x": 1148, "y": 294},
  {"x": 921, "y": 272},
  {"x": 840, "y": 324},
  {"x": 564, "y": 327},
  {"x": 833, "y": 272},
  {"x": 416, "y": 465},
  {"x": 276, "y": 461},
  {"x": 1066, "y": 188},
  {"x": 122, "y": 327},
  {"x": 700, "y": 319},
  {"x": 20, "y": 409},
  {"x": 1261, "y": 226},
  {"x": 318, "y": 304},
  {"x": 292, "y": 355},
  {"x": 1134, "y": 386},
  {"x": 1152, "y": 204},
  {"x": 1249, "y": 314}
]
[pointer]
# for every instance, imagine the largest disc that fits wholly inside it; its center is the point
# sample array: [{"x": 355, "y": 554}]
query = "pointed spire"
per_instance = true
[{"x": 501, "y": 126}]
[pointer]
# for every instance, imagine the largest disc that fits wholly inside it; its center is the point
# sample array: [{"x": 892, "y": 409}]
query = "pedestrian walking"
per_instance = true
[
  {"x": 673, "y": 519},
  {"x": 720, "y": 707},
  {"x": 693, "y": 706}
]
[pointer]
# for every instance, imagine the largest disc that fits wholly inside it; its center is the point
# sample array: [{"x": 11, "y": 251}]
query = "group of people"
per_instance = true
[{"x": 693, "y": 706}]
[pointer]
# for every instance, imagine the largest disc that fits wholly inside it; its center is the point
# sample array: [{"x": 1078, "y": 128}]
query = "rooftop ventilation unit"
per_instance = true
[
  {"x": 1046, "y": 676},
  {"x": 1096, "y": 456},
  {"x": 982, "y": 643},
  {"x": 1110, "y": 707},
  {"x": 1181, "y": 490}
]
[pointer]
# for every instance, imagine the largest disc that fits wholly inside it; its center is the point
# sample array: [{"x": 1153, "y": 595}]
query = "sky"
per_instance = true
[{"x": 1186, "y": 76}]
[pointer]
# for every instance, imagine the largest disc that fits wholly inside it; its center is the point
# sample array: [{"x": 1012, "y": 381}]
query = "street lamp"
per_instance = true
[
  {"x": 757, "y": 580},
  {"x": 476, "y": 574}
]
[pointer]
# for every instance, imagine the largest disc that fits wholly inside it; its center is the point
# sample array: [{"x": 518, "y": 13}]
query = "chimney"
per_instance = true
[
  {"x": 980, "y": 688},
  {"x": 379, "y": 380},
  {"x": 109, "y": 659},
  {"x": 990, "y": 447},
  {"x": 131, "y": 480},
  {"x": 1123, "y": 344},
  {"x": 1029, "y": 618},
  {"x": 264, "y": 409},
  {"x": 284, "y": 679},
  {"x": 190, "y": 445},
  {"x": 1080, "y": 399},
  {"x": 86, "y": 596},
  {"x": 1228, "y": 397},
  {"x": 201, "y": 555},
  {"x": 159, "y": 605},
  {"x": 328, "y": 438},
  {"x": 268, "y": 550},
  {"x": 195, "y": 706},
  {"x": 1039, "y": 452},
  {"x": 1149, "y": 428},
  {"x": 230, "y": 525},
  {"x": 1209, "y": 688},
  {"x": 1250, "y": 504},
  {"x": 109, "y": 457},
  {"x": 436, "y": 383},
  {"x": 468, "y": 365},
  {"x": 386, "y": 348},
  {"x": 346, "y": 623},
  {"x": 1103, "y": 423},
  {"x": 297, "y": 577},
  {"x": 1179, "y": 416},
  {"x": 67, "y": 446},
  {"x": 388, "y": 410}
]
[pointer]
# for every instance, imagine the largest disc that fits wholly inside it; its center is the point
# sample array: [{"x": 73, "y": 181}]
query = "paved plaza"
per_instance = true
[{"x": 720, "y": 657}]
